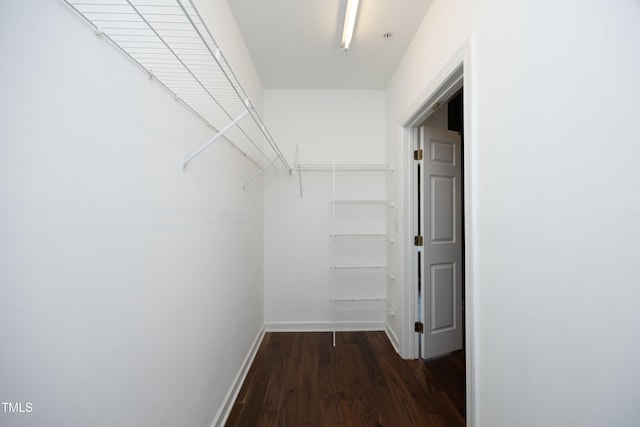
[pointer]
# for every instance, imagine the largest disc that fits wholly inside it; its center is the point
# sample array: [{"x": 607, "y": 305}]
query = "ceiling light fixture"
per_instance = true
[{"x": 350, "y": 14}]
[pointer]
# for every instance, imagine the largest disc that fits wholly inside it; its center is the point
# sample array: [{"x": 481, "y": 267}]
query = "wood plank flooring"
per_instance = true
[{"x": 300, "y": 379}]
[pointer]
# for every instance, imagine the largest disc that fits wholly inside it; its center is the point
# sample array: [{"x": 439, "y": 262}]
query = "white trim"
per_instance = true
[
  {"x": 472, "y": 252},
  {"x": 439, "y": 89},
  {"x": 325, "y": 326},
  {"x": 227, "y": 404},
  {"x": 408, "y": 346},
  {"x": 393, "y": 338},
  {"x": 459, "y": 70}
]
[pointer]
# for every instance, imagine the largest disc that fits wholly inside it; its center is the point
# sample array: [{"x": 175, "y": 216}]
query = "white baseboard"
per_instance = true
[
  {"x": 225, "y": 409},
  {"x": 392, "y": 337},
  {"x": 325, "y": 326}
]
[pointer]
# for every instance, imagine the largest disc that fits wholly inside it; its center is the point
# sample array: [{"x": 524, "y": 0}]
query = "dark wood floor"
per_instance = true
[{"x": 299, "y": 379}]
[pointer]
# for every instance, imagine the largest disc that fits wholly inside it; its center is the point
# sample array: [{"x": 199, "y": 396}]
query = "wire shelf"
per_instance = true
[
  {"x": 362, "y": 236},
  {"x": 325, "y": 167},
  {"x": 354, "y": 305},
  {"x": 169, "y": 40},
  {"x": 360, "y": 202}
]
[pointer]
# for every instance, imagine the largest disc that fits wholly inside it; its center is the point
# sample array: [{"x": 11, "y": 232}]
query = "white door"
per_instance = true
[{"x": 442, "y": 236}]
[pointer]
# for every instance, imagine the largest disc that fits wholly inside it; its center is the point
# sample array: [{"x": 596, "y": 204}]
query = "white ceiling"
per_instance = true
[{"x": 295, "y": 44}]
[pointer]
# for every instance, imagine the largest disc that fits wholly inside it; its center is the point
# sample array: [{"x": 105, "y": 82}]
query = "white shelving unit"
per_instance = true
[
  {"x": 360, "y": 241},
  {"x": 169, "y": 40},
  {"x": 359, "y": 238}
]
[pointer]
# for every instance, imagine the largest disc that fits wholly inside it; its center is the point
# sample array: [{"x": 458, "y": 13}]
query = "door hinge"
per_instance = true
[
  {"x": 418, "y": 241},
  {"x": 417, "y": 154},
  {"x": 419, "y": 327}
]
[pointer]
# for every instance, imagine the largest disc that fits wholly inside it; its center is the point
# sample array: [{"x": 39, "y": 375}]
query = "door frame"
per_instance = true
[{"x": 459, "y": 71}]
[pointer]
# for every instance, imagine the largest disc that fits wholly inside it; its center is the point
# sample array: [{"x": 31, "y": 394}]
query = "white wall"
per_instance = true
[
  {"x": 558, "y": 335},
  {"x": 328, "y": 126},
  {"x": 130, "y": 291}
]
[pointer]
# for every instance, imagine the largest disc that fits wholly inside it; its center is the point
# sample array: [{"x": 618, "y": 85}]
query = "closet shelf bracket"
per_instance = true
[
  {"x": 214, "y": 138},
  {"x": 260, "y": 172}
]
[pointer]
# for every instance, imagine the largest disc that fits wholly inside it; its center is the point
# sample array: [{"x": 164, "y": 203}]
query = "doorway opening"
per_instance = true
[
  {"x": 439, "y": 225},
  {"x": 446, "y": 86},
  {"x": 439, "y": 214}
]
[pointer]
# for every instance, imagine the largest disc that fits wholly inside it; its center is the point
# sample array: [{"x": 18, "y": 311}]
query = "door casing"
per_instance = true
[{"x": 459, "y": 70}]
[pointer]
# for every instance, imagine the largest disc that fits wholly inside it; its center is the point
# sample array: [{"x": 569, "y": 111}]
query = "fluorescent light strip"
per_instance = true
[{"x": 349, "y": 23}]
